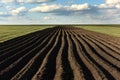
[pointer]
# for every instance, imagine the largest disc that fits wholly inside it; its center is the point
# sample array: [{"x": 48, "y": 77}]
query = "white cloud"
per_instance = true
[
  {"x": 112, "y": 1},
  {"x": 18, "y": 11},
  {"x": 24, "y": 1},
  {"x": 45, "y": 8},
  {"x": 54, "y": 7},
  {"x": 7, "y": 1},
  {"x": 106, "y": 6},
  {"x": 79, "y": 6},
  {"x": 110, "y": 4},
  {"x": 33, "y": 1},
  {"x": 115, "y": 6}
]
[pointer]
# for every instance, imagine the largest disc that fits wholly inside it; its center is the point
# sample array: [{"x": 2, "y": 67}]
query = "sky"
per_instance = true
[{"x": 59, "y": 11}]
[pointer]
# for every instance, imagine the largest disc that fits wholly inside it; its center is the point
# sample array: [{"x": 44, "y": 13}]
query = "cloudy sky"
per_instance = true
[{"x": 59, "y": 11}]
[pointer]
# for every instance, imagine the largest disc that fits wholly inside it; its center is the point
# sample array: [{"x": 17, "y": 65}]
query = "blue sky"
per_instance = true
[{"x": 59, "y": 11}]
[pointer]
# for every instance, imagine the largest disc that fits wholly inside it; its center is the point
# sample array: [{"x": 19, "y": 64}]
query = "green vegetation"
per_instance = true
[
  {"x": 9, "y": 32},
  {"x": 110, "y": 30}
]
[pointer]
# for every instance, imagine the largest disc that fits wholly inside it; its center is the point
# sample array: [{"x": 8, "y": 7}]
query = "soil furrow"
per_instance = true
[
  {"x": 18, "y": 40},
  {"x": 78, "y": 73},
  {"x": 104, "y": 48},
  {"x": 59, "y": 69},
  {"x": 112, "y": 72},
  {"x": 47, "y": 69},
  {"x": 67, "y": 71},
  {"x": 14, "y": 50},
  {"x": 18, "y": 46},
  {"x": 109, "y": 39},
  {"x": 90, "y": 69},
  {"x": 110, "y": 60},
  {"x": 112, "y": 40},
  {"x": 19, "y": 54},
  {"x": 25, "y": 58},
  {"x": 107, "y": 44},
  {"x": 28, "y": 66},
  {"x": 3, "y": 51},
  {"x": 36, "y": 61}
]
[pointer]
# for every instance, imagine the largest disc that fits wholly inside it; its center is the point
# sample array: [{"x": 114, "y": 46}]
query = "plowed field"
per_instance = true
[{"x": 61, "y": 53}]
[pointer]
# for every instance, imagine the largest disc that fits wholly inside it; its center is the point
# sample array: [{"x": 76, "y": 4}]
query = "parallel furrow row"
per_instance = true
[
  {"x": 22, "y": 60},
  {"x": 60, "y": 53}
]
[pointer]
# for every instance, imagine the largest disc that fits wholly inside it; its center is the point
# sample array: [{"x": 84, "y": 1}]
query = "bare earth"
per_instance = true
[{"x": 61, "y": 53}]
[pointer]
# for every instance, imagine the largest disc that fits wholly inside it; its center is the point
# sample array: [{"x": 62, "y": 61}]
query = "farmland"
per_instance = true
[
  {"x": 61, "y": 53},
  {"x": 9, "y": 32}
]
